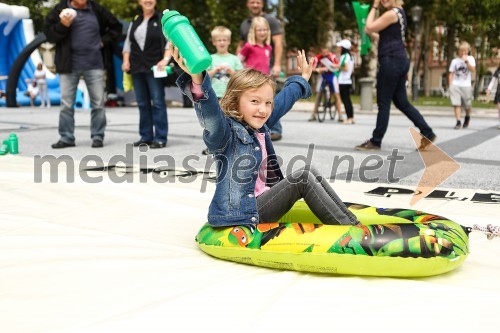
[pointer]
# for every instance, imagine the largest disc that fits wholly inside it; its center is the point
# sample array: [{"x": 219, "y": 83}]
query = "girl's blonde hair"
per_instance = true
[
  {"x": 240, "y": 82},
  {"x": 251, "y": 33},
  {"x": 399, "y": 2}
]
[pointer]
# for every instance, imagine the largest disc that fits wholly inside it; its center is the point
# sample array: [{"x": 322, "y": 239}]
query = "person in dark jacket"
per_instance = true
[
  {"x": 81, "y": 29},
  {"x": 146, "y": 47}
]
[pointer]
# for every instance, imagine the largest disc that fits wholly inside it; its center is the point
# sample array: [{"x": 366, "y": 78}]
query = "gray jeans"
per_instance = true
[
  {"x": 94, "y": 80},
  {"x": 305, "y": 183}
]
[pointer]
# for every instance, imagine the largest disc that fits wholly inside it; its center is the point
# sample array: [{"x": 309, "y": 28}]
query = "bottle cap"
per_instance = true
[{"x": 167, "y": 13}]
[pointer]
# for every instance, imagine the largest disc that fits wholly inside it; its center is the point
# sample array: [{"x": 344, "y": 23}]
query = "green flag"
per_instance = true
[{"x": 361, "y": 12}]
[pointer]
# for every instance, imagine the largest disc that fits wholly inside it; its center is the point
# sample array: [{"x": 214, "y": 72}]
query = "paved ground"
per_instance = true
[{"x": 475, "y": 148}]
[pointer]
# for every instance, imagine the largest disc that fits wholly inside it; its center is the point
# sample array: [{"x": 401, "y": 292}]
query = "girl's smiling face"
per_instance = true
[{"x": 256, "y": 105}]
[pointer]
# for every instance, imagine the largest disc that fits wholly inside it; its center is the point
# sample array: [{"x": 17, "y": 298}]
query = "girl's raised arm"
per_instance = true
[{"x": 197, "y": 78}]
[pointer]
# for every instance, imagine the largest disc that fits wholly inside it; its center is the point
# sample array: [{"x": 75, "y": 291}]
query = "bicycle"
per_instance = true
[{"x": 325, "y": 103}]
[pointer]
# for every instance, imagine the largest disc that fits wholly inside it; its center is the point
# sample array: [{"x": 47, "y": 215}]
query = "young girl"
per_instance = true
[
  {"x": 256, "y": 53},
  {"x": 250, "y": 186}
]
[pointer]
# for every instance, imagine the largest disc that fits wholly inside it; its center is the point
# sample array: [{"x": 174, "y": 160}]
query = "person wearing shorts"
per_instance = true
[{"x": 460, "y": 83}]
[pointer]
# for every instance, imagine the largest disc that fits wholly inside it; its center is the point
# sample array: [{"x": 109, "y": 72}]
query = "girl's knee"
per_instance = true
[{"x": 307, "y": 173}]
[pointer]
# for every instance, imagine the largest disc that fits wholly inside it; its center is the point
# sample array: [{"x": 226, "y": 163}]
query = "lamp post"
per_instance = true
[
  {"x": 477, "y": 43},
  {"x": 416, "y": 14}
]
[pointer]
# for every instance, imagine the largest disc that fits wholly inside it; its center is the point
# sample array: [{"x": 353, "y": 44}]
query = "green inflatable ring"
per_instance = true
[{"x": 390, "y": 242}]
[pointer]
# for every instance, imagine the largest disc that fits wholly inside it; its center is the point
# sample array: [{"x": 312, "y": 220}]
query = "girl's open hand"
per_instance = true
[{"x": 306, "y": 67}]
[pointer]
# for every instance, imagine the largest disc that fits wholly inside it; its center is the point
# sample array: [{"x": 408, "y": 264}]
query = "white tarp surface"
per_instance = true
[{"x": 108, "y": 257}]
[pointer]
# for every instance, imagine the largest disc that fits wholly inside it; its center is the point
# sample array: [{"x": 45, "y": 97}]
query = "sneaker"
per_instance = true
[
  {"x": 466, "y": 122},
  {"x": 458, "y": 125},
  {"x": 275, "y": 136},
  {"x": 367, "y": 145},
  {"x": 61, "y": 144},
  {"x": 140, "y": 142},
  {"x": 205, "y": 152},
  {"x": 157, "y": 144},
  {"x": 426, "y": 142},
  {"x": 97, "y": 144}
]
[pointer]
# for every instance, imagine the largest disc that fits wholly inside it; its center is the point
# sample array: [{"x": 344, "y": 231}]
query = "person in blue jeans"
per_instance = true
[
  {"x": 250, "y": 187},
  {"x": 81, "y": 29},
  {"x": 145, "y": 47},
  {"x": 394, "y": 64}
]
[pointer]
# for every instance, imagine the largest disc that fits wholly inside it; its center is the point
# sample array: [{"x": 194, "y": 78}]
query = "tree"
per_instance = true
[{"x": 307, "y": 23}]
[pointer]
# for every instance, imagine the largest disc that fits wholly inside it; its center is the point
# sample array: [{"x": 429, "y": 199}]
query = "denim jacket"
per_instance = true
[{"x": 237, "y": 151}]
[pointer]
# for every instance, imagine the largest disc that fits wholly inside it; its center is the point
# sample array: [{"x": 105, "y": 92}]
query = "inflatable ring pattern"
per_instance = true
[{"x": 390, "y": 242}]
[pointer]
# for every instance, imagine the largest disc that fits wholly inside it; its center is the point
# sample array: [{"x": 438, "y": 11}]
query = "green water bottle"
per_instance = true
[
  {"x": 179, "y": 31},
  {"x": 4, "y": 148},
  {"x": 13, "y": 144}
]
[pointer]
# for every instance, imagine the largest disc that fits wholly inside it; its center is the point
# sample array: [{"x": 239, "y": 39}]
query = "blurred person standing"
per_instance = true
[
  {"x": 256, "y": 52},
  {"x": 390, "y": 29},
  {"x": 224, "y": 64},
  {"x": 256, "y": 9},
  {"x": 495, "y": 82},
  {"x": 460, "y": 83},
  {"x": 145, "y": 47},
  {"x": 41, "y": 81},
  {"x": 81, "y": 29},
  {"x": 345, "y": 78}
]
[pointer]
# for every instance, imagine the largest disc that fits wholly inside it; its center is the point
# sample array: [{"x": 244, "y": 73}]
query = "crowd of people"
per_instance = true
[
  {"x": 236, "y": 98},
  {"x": 260, "y": 47}
]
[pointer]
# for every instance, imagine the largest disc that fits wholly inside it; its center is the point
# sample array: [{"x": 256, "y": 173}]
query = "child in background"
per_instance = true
[
  {"x": 328, "y": 77},
  {"x": 460, "y": 83},
  {"x": 250, "y": 186},
  {"x": 40, "y": 77},
  {"x": 224, "y": 64},
  {"x": 32, "y": 91},
  {"x": 256, "y": 53}
]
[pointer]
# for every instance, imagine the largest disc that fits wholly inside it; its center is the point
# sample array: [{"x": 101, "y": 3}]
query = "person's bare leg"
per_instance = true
[
  {"x": 458, "y": 116},
  {"x": 314, "y": 114},
  {"x": 339, "y": 109}
]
